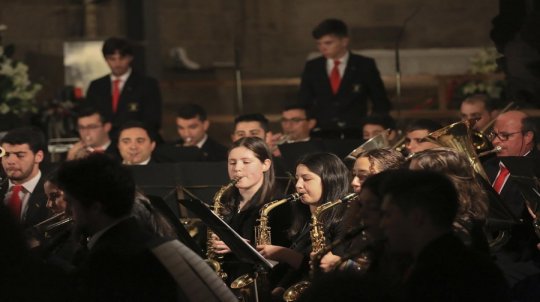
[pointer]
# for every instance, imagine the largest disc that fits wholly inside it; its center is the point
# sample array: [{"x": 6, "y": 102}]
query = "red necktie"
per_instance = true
[
  {"x": 115, "y": 94},
  {"x": 335, "y": 78},
  {"x": 15, "y": 202},
  {"x": 501, "y": 179}
]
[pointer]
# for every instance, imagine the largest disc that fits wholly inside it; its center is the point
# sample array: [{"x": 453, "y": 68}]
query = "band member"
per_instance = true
[
  {"x": 368, "y": 163},
  {"x": 250, "y": 162},
  {"x": 339, "y": 83},
  {"x": 25, "y": 151},
  {"x": 376, "y": 124},
  {"x": 125, "y": 262},
  {"x": 136, "y": 144},
  {"x": 473, "y": 201},
  {"x": 416, "y": 131},
  {"x": 372, "y": 162},
  {"x": 478, "y": 107},
  {"x": 516, "y": 134},
  {"x": 321, "y": 177},
  {"x": 418, "y": 212},
  {"x": 124, "y": 94},
  {"x": 94, "y": 135},
  {"x": 192, "y": 126},
  {"x": 57, "y": 242}
]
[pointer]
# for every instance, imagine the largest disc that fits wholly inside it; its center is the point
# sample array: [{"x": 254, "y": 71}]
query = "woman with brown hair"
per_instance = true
[{"x": 473, "y": 207}]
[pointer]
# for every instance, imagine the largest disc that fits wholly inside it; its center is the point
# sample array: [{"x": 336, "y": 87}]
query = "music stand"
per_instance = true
[
  {"x": 290, "y": 153},
  {"x": 525, "y": 172},
  {"x": 157, "y": 180},
  {"x": 341, "y": 147},
  {"x": 168, "y": 153},
  {"x": 243, "y": 250}
]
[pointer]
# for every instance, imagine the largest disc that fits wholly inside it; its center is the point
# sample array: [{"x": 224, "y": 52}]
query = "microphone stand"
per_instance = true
[
  {"x": 398, "y": 65},
  {"x": 238, "y": 82}
]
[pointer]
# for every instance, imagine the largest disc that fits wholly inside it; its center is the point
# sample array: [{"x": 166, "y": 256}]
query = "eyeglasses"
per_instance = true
[
  {"x": 89, "y": 127},
  {"x": 502, "y": 136},
  {"x": 294, "y": 120}
]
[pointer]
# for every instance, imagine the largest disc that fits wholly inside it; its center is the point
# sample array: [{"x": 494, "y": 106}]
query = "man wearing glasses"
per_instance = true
[
  {"x": 296, "y": 123},
  {"x": 94, "y": 135},
  {"x": 515, "y": 133}
]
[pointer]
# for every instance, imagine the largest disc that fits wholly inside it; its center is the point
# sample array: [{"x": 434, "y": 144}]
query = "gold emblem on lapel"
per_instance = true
[
  {"x": 357, "y": 87},
  {"x": 133, "y": 107}
]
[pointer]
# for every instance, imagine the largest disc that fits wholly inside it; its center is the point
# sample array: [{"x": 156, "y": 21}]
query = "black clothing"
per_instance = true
[
  {"x": 37, "y": 210},
  {"x": 519, "y": 257},
  {"x": 121, "y": 267},
  {"x": 244, "y": 223},
  {"x": 212, "y": 150},
  {"x": 140, "y": 100},
  {"x": 361, "y": 80},
  {"x": 445, "y": 270}
]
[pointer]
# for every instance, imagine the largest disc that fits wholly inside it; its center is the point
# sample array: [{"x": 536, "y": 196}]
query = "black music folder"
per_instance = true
[{"x": 242, "y": 249}]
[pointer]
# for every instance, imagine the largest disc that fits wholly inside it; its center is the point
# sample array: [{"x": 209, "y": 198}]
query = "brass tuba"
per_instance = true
[
  {"x": 457, "y": 136},
  {"x": 377, "y": 142},
  {"x": 212, "y": 258},
  {"x": 263, "y": 235},
  {"x": 318, "y": 243}
]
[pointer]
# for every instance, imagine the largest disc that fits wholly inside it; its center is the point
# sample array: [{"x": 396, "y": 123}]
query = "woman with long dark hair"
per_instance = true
[{"x": 321, "y": 177}]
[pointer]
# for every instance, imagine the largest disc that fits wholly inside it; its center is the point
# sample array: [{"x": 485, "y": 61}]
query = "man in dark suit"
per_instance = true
[
  {"x": 94, "y": 135},
  {"x": 515, "y": 133},
  {"x": 124, "y": 262},
  {"x": 338, "y": 84},
  {"x": 192, "y": 126},
  {"x": 124, "y": 94},
  {"x": 136, "y": 144},
  {"x": 24, "y": 194}
]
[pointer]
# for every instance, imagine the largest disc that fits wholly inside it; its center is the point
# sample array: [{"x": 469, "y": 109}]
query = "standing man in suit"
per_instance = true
[
  {"x": 338, "y": 84},
  {"x": 515, "y": 133},
  {"x": 125, "y": 95},
  {"x": 94, "y": 135},
  {"x": 192, "y": 125},
  {"x": 25, "y": 150}
]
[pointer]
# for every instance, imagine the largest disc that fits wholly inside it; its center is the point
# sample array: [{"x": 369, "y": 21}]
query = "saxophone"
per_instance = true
[
  {"x": 318, "y": 244},
  {"x": 263, "y": 235},
  {"x": 212, "y": 258}
]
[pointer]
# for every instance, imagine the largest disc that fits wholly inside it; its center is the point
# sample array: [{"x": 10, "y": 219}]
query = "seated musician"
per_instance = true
[
  {"x": 516, "y": 133},
  {"x": 473, "y": 201},
  {"x": 416, "y": 131},
  {"x": 250, "y": 162},
  {"x": 418, "y": 212},
  {"x": 54, "y": 239},
  {"x": 321, "y": 177},
  {"x": 94, "y": 135},
  {"x": 374, "y": 125},
  {"x": 136, "y": 144},
  {"x": 367, "y": 163}
]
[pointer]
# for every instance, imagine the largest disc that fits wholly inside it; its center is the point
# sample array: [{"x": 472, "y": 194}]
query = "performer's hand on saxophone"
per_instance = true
[{"x": 328, "y": 262}]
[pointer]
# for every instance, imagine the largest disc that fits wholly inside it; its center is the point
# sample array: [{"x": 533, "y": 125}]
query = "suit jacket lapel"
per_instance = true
[
  {"x": 347, "y": 75},
  {"x": 36, "y": 205}
]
